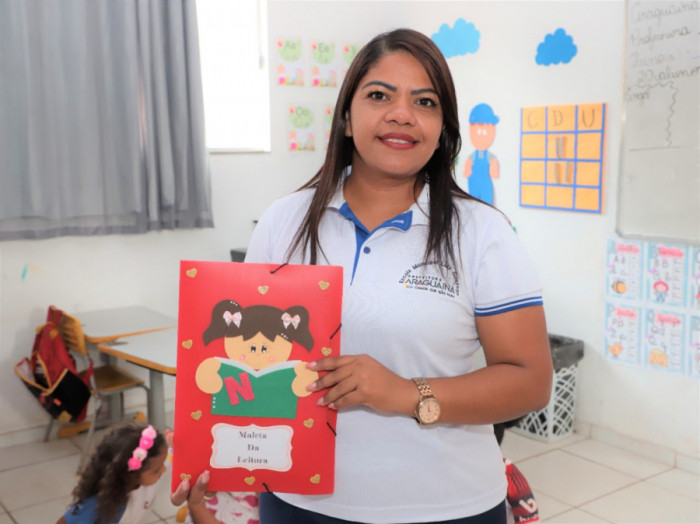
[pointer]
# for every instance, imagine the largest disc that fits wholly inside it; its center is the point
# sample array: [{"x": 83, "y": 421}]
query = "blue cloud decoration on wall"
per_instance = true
[
  {"x": 557, "y": 48},
  {"x": 458, "y": 40}
]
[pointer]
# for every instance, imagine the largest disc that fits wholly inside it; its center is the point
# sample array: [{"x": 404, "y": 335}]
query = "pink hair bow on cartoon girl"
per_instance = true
[
  {"x": 289, "y": 319},
  {"x": 233, "y": 317}
]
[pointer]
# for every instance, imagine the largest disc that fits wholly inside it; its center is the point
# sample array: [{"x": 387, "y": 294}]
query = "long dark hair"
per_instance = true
[
  {"x": 438, "y": 171},
  {"x": 107, "y": 476}
]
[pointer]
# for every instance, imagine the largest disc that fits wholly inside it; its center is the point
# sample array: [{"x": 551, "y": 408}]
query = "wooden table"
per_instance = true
[
  {"x": 119, "y": 325},
  {"x": 104, "y": 325}
]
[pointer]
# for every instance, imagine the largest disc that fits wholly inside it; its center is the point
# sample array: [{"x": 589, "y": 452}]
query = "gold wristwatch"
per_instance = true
[{"x": 428, "y": 408}]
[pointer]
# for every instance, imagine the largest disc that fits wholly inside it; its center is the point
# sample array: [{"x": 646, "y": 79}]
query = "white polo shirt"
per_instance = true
[{"x": 417, "y": 321}]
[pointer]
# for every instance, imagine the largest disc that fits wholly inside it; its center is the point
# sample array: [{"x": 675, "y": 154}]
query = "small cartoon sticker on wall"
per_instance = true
[
  {"x": 458, "y": 40},
  {"x": 556, "y": 48},
  {"x": 481, "y": 165}
]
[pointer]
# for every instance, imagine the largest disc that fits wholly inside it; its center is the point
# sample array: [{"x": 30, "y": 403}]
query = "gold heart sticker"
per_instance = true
[
  {"x": 309, "y": 422},
  {"x": 323, "y": 285},
  {"x": 326, "y": 351},
  {"x": 187, "y": 344},
  {"x": 191, "y": 272},
  {"x": 184, "y": 476},
  {"x": 263, "y": 289},
  {"x": 249, "y": 480},
  {"x": 315, "y": 479},
  {"x": 196, "y": 414}
]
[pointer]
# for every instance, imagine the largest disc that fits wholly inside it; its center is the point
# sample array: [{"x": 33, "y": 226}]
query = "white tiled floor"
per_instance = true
[{"x": 577, "y": 480}]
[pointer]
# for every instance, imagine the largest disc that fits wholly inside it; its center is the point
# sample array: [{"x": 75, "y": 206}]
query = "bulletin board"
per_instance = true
[{"x": 659, "y": 183}]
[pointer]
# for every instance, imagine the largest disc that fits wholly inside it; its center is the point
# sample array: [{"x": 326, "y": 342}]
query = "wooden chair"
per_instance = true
[{"x": 106, "y": 380}]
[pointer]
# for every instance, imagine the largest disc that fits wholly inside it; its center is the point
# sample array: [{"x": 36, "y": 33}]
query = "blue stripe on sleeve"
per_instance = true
[{"x": 508, "y": 306}]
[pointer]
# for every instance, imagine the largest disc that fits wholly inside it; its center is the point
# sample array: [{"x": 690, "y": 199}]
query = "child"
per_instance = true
[
  {"x": 118, "y": 484},
  {"x": 522, "y": 507}
]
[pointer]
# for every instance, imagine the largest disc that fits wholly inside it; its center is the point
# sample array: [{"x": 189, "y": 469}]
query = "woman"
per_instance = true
[{"x": 430, "y": 276}]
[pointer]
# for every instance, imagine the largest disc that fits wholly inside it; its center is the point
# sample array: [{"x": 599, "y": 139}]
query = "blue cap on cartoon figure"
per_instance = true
[{"x": 482, "y": 114}]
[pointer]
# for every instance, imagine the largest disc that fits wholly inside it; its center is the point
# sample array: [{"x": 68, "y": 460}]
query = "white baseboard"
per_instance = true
[{"x": 652, "y": 451}]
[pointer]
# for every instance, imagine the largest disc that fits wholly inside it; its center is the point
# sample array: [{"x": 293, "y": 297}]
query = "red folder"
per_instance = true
[{"x": 242, "y": 411}]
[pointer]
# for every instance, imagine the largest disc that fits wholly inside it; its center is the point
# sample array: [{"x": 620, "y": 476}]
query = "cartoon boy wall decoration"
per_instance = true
[
  {"x": 257, "y": 379},
  {"x": 482, "y": 165}
]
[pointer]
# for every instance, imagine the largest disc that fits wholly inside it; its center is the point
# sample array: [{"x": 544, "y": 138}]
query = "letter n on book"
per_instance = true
[{"x": 234, "y": 388}]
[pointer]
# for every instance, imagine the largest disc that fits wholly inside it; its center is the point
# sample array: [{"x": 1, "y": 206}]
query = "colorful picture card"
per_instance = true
[
  {"x": 242, "y": 411},
  {"x": 622, "y": 333}
]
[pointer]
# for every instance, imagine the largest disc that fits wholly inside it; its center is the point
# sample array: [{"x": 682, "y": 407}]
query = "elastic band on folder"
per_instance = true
[{"x": 278, "y": 268}]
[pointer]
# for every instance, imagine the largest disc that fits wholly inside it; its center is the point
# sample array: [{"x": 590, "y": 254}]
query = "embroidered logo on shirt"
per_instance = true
[{"x": 431, "y": 277}]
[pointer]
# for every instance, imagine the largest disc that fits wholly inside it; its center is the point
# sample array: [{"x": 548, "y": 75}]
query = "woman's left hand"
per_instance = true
[{"x": 360, "y": 379}]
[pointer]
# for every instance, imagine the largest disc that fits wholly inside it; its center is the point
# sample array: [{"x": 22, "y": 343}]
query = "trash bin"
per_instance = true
[{"x": 556, "y": 420}]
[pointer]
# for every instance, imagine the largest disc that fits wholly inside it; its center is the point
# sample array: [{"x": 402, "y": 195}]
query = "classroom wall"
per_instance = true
[{"x": 648, "y": 410}]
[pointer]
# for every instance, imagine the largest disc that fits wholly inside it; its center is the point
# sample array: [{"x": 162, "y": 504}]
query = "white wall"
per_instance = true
[{"x": 658, "y": 411}]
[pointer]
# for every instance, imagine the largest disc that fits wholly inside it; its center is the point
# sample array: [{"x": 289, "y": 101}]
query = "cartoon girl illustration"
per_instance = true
[
  {"x": 660, "y": 290},
  {"x": 256, "y": 379}
]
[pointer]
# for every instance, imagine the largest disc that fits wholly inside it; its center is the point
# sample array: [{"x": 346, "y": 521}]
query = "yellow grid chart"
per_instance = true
[{"x": 562, "y": 157}]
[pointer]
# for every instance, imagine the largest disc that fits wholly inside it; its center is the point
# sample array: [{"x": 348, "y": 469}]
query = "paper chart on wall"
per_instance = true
[
  {"x": 652, "y": 316},
  {"x": 327, "y": 123},
  {"x": 663, "y": 340},
  {"x": 324, "y": 64},
  {"x": 622, "y": 333},
  {"x": 694, "y": 280},
  {"x": 665, "y": 274},
  {"x": 624, "y": 269},
  {"x": 348, "y": 55},
  {"x": 693, "y": 352},
  {"x": 562, "y": 157},
  {"x": 289, "y": 63},
  {"x": 300, "y": 128}
]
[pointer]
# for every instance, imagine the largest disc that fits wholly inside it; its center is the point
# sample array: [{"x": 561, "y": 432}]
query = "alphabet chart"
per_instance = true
[
  {"x": 562, "y": 157},
  {"x": 694, "y": 280},
  {"x": 624, "y": 270},
  {"x": 693, "y": 358},
  {"x": 663, "y": 340},
  {"x": 622, "y": 333},
  {"x": 666, "y": 274},
  {"x": 652, "y": 311}
]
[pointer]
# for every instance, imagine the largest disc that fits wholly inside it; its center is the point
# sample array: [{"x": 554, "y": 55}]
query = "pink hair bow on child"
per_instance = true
[{"x": 141, "y": 451}]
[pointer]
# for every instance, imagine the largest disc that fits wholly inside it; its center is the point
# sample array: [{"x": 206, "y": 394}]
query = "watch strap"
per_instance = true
[{"x": 423, "y": 387}]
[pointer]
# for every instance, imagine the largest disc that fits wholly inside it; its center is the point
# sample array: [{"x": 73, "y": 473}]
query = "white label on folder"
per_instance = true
[{"x": 252, "y": 447}]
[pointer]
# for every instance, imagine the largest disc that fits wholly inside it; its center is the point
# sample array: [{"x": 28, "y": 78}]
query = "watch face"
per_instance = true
[{"x": 429, "y": 411}]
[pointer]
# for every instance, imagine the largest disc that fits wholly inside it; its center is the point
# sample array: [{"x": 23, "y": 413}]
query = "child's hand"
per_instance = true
[
  {"x": 193, "y": 496},
  {"x": 207, "y": 376},
  {"x": 304, "y": 377}
]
